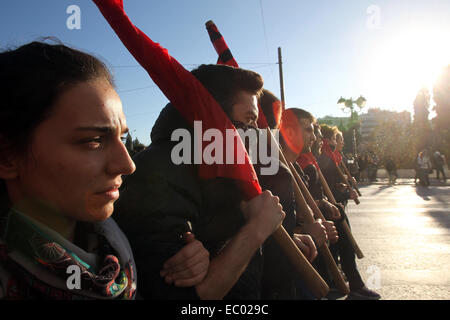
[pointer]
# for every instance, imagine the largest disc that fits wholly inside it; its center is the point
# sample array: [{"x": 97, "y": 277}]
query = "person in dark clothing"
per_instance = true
[
  {"x": 342, "y": 251},
  {"x": 362, "y": 163},
  {"x": 439, "y": 162},
  {"x": 161, "y": 200},
  {"x": 308, "y": 165},
  {"x": 280, "y": 280},
  {"x": 391, "y": 169}
]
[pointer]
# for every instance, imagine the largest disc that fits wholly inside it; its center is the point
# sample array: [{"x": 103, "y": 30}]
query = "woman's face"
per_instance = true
[
  {"x": 339, "y": 142},
  {"x": 76, "y": 156},
  {"x": 333, "y": 140}
]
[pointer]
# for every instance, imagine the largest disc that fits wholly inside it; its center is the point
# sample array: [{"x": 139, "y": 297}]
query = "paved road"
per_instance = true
[{"x": 404, "y": 233}]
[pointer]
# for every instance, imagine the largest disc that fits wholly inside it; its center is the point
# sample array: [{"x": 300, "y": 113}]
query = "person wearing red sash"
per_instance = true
[
  {"x": 342, "y": 251},
  {"x": 279, "y": 280},
  {"x": 162, "y": 198},
  {"x": 328, "y": 163},
  {"x": 308, "y": 163},
  {"x": 338, "y": 153}
]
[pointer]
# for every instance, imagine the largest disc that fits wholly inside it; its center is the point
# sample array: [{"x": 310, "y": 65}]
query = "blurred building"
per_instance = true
[
  {"x": 373, "y": 117},
  {"x": 339, "y": 122}
]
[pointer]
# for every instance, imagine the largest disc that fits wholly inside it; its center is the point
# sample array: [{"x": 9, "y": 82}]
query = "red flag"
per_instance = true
[
  {"x": 326, "y": 149},
  {"x": 290, "y": 121},
  {"x": 185, "y": 92},
  {"x": 337, "y": 156},
  {"x": 306, "y": 159},
  {"x": 226, "y": 57}
]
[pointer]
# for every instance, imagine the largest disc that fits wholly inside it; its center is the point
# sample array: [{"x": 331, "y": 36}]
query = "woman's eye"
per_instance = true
[{"x": 93, "y": 143}]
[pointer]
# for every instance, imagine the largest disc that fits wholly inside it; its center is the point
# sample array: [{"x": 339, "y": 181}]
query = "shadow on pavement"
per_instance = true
[
  {"x": 433, "y": 191},
  {"x": 441, "y": 217}
]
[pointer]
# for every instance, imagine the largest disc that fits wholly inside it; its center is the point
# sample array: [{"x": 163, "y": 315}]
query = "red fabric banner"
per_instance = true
[
  {"x": 307, "y": 159},
  {"x": 222, "y": 50},
  {"x": 184, "y": 91},
  {"x": 326, "y": 149}
]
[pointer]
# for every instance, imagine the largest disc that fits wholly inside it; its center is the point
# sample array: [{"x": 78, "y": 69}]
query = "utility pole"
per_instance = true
[
  {"x": 280, "y": 67},
  {"x": 354, "y": 142}
]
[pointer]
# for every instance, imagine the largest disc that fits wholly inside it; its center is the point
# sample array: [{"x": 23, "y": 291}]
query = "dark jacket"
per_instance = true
[
  {"x": 278, "y": 281},
  {"x": 329, "y": 171},
  {"x": 314, "y": 185},
  {"x": 159, "y": 199}
]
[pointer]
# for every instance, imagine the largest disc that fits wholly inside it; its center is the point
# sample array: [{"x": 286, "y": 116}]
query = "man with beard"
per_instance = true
[{"x": 342, "y": 251}]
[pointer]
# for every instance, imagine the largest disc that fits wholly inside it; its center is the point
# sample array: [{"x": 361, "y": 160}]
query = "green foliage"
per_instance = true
[
  {"x": 389, "y": 139},
  {"x": 441, "y": 123},
  {"x": 349, "y": 105},
  {"x": 133, "y": 146},
  {"x": 129, "y": 143}
]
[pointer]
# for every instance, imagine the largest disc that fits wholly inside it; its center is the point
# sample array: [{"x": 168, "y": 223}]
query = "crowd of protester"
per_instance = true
[{"x": 177, "y": 231}]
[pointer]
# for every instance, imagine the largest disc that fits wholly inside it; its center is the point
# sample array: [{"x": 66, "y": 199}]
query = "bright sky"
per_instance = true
[{"x": 384, "y": 50}]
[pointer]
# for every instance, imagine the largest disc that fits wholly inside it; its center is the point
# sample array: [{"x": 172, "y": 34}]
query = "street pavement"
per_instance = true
[{"x": 404, "y": 232}]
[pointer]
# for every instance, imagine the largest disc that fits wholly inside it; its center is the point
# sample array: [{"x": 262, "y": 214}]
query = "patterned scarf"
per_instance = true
[{"x": 38, "y": 263}]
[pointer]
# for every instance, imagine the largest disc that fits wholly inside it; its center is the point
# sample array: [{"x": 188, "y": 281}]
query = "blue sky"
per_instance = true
[{"x": 384, "y": 50}]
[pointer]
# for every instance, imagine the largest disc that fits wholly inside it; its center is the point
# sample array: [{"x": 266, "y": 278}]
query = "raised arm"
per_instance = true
[{"x": 181, "y": 87}]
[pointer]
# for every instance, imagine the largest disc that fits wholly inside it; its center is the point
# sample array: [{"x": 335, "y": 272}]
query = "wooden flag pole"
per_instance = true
[
  {"x": 309, "y": 218},
  {"x": 350, "y": 178},
  {"x": 344, "y": 223},
  {"x": 344, "y": 180}
]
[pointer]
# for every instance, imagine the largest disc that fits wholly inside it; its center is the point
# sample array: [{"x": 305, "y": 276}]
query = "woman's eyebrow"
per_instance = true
[{"x": 102, "y": 129}]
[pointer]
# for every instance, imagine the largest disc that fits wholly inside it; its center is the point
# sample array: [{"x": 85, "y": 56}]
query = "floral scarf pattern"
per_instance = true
[{"x": 39, "y": 263}]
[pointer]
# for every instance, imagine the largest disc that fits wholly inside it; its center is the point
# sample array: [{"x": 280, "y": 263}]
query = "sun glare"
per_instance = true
[{"x": 402, "y": 64}]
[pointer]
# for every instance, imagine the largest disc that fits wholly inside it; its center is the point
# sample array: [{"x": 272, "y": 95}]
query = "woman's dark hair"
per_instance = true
[
  {"x": 32, "y": 77},
  {"x": 272, "y": 108},
  {"x": 224, "y": 82}
]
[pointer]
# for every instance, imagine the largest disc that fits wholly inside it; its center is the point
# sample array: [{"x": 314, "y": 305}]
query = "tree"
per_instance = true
[
  {"x": 422, "y": 128},
  {"x": 441, "y": 123},
  {"x": 394, "y": 139},
  {"x": 441, "y": 96},
  {"x": 129, "y": 143},
  {"x": 349, "y": 105},
  {"x": 353, "y": 124},
  {"x": 421, "y": 106},
  {"x": 138, "y": 146}
]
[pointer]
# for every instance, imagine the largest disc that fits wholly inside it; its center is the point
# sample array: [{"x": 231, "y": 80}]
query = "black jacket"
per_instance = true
[
  {"x": 278, "y": 281},
  {"x": 329, "y": 171},
  {"x": 159, "y": 199}
]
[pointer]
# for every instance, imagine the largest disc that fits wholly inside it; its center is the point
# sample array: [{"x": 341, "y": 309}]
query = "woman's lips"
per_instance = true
[{"x": 111, "y": 194}]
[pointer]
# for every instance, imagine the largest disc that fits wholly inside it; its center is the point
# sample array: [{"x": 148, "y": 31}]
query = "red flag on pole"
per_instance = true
[
  {"x": 226, "y": 57},
  {"x": 326, "y": 149},
  {"x": 337, "y": 156},
  {"x": 306, "y": 159},
  {"x": 186, "y": 93}
]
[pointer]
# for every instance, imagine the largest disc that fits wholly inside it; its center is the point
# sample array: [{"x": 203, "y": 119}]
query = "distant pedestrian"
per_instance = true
[
  {"x": 391, "y": 169},
  {"x": 439, "y": 162},
  {"x": 424, "y": 167}
]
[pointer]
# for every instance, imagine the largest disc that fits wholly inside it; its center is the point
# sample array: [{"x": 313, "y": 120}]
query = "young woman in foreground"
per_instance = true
[{"x": 61, "y": 162}]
